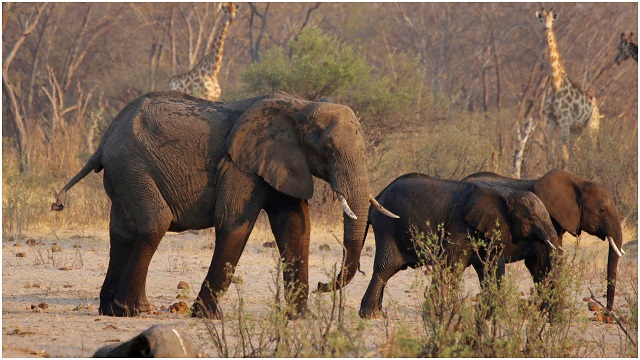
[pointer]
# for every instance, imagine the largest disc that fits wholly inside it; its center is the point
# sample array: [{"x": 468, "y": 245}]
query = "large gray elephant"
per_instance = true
[
  {"x": 574, "y": 204},
  {"x": 173, "y": 162},
  {"x": 463, "y": 210}
]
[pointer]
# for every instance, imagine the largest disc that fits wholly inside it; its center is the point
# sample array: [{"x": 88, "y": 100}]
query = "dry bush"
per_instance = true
[{"x": 27, "y": 197}]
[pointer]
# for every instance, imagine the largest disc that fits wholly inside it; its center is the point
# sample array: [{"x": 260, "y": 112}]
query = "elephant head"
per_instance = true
[
  {"x": 288, "y": 141},
  {"x": 517, "y": 215},
  {"x": 158, "y": 341},
  {"x": 580, "y": 205}
]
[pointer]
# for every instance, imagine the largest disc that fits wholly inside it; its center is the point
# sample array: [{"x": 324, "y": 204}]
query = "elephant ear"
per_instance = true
[
  {"x": 560, "y": 195},
  {"x": 486, "y": 211},
  {"x": 266, "y": 141}
]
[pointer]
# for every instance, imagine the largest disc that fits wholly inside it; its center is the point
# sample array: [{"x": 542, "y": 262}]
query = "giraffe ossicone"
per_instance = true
[{"x": 202, "y": 80}]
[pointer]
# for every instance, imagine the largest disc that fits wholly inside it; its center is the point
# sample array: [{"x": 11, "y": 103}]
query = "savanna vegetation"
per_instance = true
[{"x": 440, "y": 88}]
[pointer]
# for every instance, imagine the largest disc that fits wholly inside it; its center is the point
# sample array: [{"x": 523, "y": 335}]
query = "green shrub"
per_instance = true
[{"x": 315, "y": 66}]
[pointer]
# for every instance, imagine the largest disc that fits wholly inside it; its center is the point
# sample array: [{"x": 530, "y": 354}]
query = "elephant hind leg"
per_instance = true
[
  {"x": 121, "y": 247},
  {"x": 131, "y": 297},
  {"x": 139, "y": 219},
  {"x": 291, "y": 227}
]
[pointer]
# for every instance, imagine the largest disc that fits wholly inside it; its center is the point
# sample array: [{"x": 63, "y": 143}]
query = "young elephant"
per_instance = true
[
  {"x": 464, "y": 209},
  {"x": 575, "y": 205}
]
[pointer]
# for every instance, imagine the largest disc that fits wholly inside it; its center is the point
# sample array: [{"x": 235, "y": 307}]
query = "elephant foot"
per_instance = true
[
  {"x": 198, "y": 310},
  {"x": 116, "y": 308},
  {"x": 296, "y": 314},
  {"x": 372, "y": 314}
]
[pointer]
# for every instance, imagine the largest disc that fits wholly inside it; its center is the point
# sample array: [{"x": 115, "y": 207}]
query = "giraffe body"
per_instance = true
[
  {"x": 567, "y": 108},
  {"x": 626, "y": 49},
  {"x": 571, "y": 111},
  {"x": 202, "y": 80}
]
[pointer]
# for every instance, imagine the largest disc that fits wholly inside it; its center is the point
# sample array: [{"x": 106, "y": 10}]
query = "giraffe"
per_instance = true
[
  {"x": 202, "y": 80},
  {"x": 567, "y": 108},
  {"x": 626, "y": 49}
]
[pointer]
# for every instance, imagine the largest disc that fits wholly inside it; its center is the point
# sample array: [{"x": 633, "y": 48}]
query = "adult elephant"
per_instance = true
[
  {"x": 173, "y": 162},
  {"x": 463, "y": 210},
  {"x": 575, "y": 205}
]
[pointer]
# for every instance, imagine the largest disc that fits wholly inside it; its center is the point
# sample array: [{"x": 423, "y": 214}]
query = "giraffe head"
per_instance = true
[
  {"x": 626, "y": 48},
  {"x": 547, "y": 18},
  {"x": 229, "y": 10}
]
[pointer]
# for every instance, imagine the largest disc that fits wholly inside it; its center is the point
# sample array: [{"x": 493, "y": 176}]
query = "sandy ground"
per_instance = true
[{"x": 69, "y": 282}]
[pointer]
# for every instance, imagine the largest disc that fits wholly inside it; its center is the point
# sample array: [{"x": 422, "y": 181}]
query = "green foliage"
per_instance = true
[
  {"x": 498, "y": 322},
  {"x": 315, "y": 66}
]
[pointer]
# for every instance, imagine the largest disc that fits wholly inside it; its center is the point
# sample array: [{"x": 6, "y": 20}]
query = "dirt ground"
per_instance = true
[{"x": 67, "y": 284}]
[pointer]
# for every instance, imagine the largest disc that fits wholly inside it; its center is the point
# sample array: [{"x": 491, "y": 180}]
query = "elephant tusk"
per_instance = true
[
  {"x": 550, "y": 245},
  {"x": 613, "y": 245},
  {"x": 345, "y": 207},
  {"x": 380, "y": 208},
  {"x": 181, "y": 343}
]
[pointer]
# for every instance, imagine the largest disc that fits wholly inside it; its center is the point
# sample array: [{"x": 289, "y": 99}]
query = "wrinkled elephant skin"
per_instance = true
[
  {"x": 463, "y": 210},
  {"x": 173, "y": 162},
  {"x": 575, "y": 204}
]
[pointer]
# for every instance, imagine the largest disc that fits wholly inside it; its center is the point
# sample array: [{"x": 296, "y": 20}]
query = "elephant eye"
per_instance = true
[{"x": 329, "y": 148}]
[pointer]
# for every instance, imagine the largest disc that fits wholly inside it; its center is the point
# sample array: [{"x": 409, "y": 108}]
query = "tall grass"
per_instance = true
[{"x": 499, "y": 322}]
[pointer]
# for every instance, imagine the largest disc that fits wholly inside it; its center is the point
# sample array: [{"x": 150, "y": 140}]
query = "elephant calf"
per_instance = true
[
  {"x": 574, "y": 204},
  {"x": 464, "y": 210}
]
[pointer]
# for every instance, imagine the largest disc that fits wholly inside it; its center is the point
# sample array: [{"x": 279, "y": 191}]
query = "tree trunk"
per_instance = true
[
  {"x": 10, "y": 90},
  {"x": 521, "y": 137},
  {"x": 497, "y": 65},
  {"x": 24, "y": 156}
]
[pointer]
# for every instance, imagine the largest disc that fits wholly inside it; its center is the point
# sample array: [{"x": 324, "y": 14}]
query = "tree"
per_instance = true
[
  {"x": 315, "y": 66},
  {"x": 11, "y": 91}
]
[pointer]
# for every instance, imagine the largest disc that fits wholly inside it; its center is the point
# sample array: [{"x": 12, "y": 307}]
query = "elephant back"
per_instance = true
[{"x": 424, "y": 201}]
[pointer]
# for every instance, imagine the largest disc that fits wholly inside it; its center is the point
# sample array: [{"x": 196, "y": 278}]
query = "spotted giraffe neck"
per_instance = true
[
  {"x": 202, "y": 80},
  {"x": 212, "y": 63},
  {"x": 558, "y": 72}
]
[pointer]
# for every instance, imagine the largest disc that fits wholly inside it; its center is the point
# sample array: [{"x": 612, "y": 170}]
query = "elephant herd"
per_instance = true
[{"x": 173, "y": 162}]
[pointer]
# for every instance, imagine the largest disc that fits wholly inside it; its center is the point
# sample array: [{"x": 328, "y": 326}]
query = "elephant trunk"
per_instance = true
[
  {"x": 612, "y": 264},
  {"x": 356, "y": 199}
]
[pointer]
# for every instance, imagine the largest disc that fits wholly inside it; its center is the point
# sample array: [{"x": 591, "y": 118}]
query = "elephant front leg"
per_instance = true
[
  {"x": 230, "y": 242},
  {"x": 291, "y": 228},
  {"x": 538, "y": 262},
  {"x": 387, "y": 262},
  {"x": 371, "y": 304}
]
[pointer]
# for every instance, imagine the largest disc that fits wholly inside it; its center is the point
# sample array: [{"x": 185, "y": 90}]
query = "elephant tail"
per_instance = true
[{"x": 92, "y": 165}]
